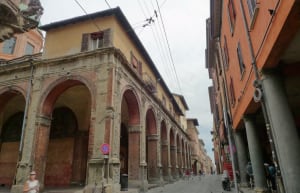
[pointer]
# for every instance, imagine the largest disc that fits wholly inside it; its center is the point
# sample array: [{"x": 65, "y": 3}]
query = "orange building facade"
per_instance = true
[{"x": 253, "y": 60}]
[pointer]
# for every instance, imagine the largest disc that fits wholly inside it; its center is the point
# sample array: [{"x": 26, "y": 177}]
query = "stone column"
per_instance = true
[
  {"x": 152, "y": 162},
  {"x": 164, "y": 160},
  {"x": 173, "y": 161},
  {"x": 256, "y": 155},
  {"x": 241, "y": 156},
  {"x": 284, "y": 131}
]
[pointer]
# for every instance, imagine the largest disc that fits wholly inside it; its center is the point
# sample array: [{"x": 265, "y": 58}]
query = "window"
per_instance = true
[
  {"x": 231, "y": 15},
  {"x": 253, "y": 10},
  {"x": 240, "y": 58},
  {"x": 9, "y": 46},
  {"x": 251, "y": 7},
  {"x": 95, "y": 40},
  {"x": 225, "y": 54},
  {"x": 232, "y": 94},
  {"x": 136, "y": 64},
  {"x": 29, "y": 49}
]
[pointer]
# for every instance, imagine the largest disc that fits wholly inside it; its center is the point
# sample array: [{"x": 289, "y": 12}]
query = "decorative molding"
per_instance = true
[{"x": 43, "y": 120}]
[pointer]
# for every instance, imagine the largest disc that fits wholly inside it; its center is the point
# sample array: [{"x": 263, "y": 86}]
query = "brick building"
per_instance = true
[
  {"x": 253, "y": 60},
  {"x": 93, "y": 84}
]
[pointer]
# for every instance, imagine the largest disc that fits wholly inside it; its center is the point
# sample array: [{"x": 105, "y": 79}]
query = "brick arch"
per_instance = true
[
  {"x": 163, "y": 130},
  {"x": 133, "y": 127},
  {"x": 133, "y": 106},
  {"x": 47, "y": 102},
  {"x": 10, "y": 132},
  {"x": 56, "y": 88},
  {"x": 9, "y": 92},
  {"x": 151, "y": 146},
  {"x": 151, "y": 122},
  {"x": 183, "y": 152},
  {"x": 164, "y": 148},
  {"x": 179, "y": 151}
]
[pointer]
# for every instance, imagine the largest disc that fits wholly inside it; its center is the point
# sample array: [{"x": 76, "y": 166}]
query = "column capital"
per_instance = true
[
  {"x": 43, "y": 120},
  {"x": 134, "y": 129},
  {"x": 152, "y": 137}
]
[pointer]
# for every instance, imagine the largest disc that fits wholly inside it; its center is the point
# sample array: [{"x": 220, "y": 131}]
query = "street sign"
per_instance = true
[{"x": 104, "y": 148}]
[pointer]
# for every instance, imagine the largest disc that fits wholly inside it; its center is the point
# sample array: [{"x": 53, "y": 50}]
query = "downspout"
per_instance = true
[
  {"x": 30, "y": 82},
  {"x": 258, "y": 93}
]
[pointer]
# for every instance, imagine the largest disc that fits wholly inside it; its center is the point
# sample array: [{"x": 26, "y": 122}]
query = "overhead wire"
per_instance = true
[
  {"x": 107, "y": 4},
  {"x": 86, "y": 13},
  {"x": 160, "y": 43},
  {"x": 169, "y": 48},
  {"x": 155, "y": 39},
  {"x": 163, "y": 45}
]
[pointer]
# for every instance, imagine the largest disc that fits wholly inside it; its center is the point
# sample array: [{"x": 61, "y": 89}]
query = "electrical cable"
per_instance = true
[
  {"x": 164, "y": 29},
  {"x": 107, "y": 4}
]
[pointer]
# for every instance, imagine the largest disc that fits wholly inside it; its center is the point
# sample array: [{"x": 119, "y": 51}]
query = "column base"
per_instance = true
[
  {"x": 109, "y": 188},
  {"x": 260, "y": 190},
  {"x": 16, "y": 189}
]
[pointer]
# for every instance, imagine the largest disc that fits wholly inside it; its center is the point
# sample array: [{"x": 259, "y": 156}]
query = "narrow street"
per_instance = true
[{"x": 207, "y": 184}]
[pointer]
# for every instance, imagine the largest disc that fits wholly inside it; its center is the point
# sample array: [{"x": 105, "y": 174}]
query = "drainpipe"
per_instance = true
[
  {"x": 30, "y": 82},
  {"x": 258, "y": 96}
]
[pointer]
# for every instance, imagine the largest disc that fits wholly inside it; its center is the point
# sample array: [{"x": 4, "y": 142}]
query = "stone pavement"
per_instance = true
[{"x": 207, "y": 184}]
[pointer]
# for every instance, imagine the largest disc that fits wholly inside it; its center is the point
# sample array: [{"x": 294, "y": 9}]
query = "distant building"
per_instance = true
[{"x": 253, "y": 57}]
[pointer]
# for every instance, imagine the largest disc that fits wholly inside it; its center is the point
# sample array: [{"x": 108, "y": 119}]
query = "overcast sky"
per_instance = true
[{"x": 185, "y": 26}]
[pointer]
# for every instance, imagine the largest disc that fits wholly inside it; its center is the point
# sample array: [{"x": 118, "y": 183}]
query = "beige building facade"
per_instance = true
[{"x": 93, "y": 86}]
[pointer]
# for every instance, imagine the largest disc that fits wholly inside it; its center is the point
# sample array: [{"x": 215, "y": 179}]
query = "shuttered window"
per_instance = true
[
  {"x": 232, "y": 93},
  {"x": 136, "y": 64},
  {"x": 9, "y": 46},
  {"x": 225, "y": 54},
  {"x": 251, "y": 7},
  {"x": 240, "y": 58},
  {"x": 231, "y": 15},
  {"x": 95, "y": 40}
]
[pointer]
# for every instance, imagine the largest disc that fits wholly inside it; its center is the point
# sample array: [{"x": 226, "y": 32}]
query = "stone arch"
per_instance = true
[
  {"x": 130, "y": 125},
  {"x": 151, "y": 145},
  {"x": 183, "y": 154},
  {"x": 12, "y": 105},
  {"x": 58, "y": 86},
  {"x": 173, "y": 154},
  {"x": 179, "y": 153},
  {"x": 164, "y": 149},
  {"x": 8, "y": 93},
  {"x": 64, "y": 92},
  {"x": 131, "y": 98}
]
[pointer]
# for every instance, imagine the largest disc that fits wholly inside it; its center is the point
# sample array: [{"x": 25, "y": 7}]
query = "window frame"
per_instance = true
[
  {"x": 26, "y": 48},
  {"x": 232, "y": 93},
  {"x": 6, "y": 45},
  {"x": 231, "y": 15},
  {"x": 225, "y": 54},
  {"x": 242, "y": 66},
  {"x": 253, "y": 10}
]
